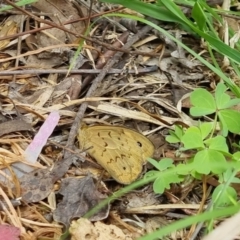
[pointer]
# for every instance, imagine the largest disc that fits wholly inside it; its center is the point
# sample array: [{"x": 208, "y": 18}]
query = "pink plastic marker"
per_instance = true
[{"x": 35, "y": 147}]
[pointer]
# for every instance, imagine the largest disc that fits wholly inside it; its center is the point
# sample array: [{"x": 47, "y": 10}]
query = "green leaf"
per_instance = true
[
  {"x": 206, "y": 128},
  {"x": 224, "y": 196},
  {"x": 154, "y": 163},
  {"x": 217, "y": 143},
  {"x": 192, "y": 138},
  {"x": 203, "y": 103},
  {"x": 223, "y": 125},
  {"x": 231, "y": 103},
  {"x": 202, "y": 160},
  {"x": 199, "y": 16},
  {"x": 165, "y": 163},
  {"x": 158, "y": 12},
  {"x": 174, "y": 9},
  {"x": 179, "y": 131},
  {"x": 151, "y": 173},
  {"x": 175, "y": 136},
  {"x": 236, "y": 156},
  {"x": 160, "y": 184},
  {"x": 231, "y": 118},
  {"x": 172, "y": 139},
  {"x": 185, "y": 165},
  {"x": 221, "y": 97},
  {"x": 213, "y": 13},
  {"x": 209, "y": 160},
  {"x": 229, "y": 176},
  {"x": 220, "y": 89},
  {"x": 196, "y": 175}
]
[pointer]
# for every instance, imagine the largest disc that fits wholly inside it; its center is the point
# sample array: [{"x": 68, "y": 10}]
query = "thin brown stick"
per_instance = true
[
  {"x": 19, "y": 46},
  {"x": 79, "y": 71}
]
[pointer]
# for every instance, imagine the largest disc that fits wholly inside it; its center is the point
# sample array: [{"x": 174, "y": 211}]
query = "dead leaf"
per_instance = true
[
  {"x": 79, "y": 196},
  {"x": 36, "y": 185},
  {"x": 84, "y": 229},
  {"x": 14, "y": 126},
  {"x": 8, "y": 28}
]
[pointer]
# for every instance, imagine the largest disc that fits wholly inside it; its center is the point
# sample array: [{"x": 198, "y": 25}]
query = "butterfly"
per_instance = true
[{"x": 122, "y": 152}]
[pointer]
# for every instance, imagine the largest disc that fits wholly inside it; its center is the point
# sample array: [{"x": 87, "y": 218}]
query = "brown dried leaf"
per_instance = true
[
  {"x": 79, "y": 196},
  {"x": 9, "y": 28},
  {"x": 14, "y": 126},
  {"x": 36, "y": 185}
]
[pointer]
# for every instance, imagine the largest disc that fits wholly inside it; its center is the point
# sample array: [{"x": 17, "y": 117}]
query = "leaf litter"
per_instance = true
[{"x": 58, "y": 191}]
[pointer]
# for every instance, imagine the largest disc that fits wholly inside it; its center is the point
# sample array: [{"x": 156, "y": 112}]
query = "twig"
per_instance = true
[
  {"x": 79, "y": 71},
  {"x": 19, "y": 46}
]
